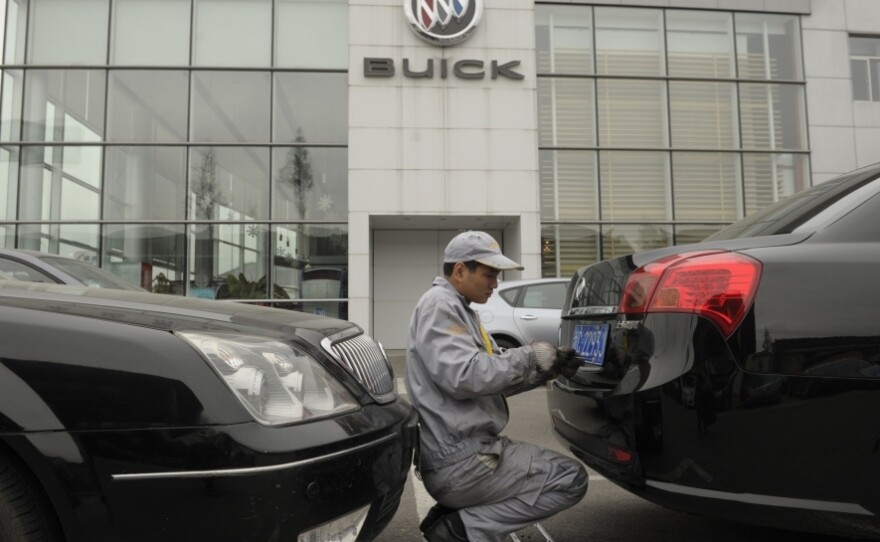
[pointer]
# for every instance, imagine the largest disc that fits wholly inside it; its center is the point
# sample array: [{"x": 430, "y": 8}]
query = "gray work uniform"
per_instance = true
[{"x": 458, "y": 388}]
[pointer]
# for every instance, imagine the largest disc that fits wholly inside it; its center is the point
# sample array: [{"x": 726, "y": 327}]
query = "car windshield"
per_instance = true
[
  {"x": 807, "y": 211},
  {"x": 89, "y": 275}
]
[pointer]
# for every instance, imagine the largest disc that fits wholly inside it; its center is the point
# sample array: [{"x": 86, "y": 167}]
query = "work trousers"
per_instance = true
[{"x": 515, "y": 486}]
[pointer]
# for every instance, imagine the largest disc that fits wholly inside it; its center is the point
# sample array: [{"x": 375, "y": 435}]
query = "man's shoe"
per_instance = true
[
  {"x": 436, "y": 512},
  {"x": 448, "y": 528}
]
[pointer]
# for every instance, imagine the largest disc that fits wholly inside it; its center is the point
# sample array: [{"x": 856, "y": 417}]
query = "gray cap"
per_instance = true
[{"x": 479, "y": 247}]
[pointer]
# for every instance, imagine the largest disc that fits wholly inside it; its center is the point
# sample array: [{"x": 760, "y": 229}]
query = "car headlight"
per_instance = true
[{"x": 276, "y": 382}]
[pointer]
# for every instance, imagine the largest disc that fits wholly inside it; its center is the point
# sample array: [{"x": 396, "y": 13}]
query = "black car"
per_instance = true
[
  {"x": 136, "y": 416},
  {"x": 739, "y": 377}
]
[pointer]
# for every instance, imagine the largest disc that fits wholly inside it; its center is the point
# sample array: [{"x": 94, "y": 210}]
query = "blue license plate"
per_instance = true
[{"x": 589, "y": 340}]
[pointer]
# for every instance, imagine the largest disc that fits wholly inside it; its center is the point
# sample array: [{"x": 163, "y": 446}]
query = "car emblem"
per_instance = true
[{"x": 443, "y": 22}]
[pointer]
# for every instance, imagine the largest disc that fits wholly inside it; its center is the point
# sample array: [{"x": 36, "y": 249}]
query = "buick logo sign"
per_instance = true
[{"x": 443, "y": 22}]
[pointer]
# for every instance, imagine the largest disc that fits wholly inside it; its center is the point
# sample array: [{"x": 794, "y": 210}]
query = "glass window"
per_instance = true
[
  {"x": 77, "y": 241},
  {"x": 232, "y": 33},
  {"x": 149, "y": 255},
  {"x": 230, "y": 107},
  {"x": 228, "y": 261},
  {"x": 15, "y": 270},
  {"x": 773, "y": 116},
  {"x": 311, "y": 34},
  {"x": 569, "y": 188},
  {"x": 310, "y": 183},
  {"x": 145, "y": 183},
  {"x": 622, "y": 239},
  {"x": 64, "y": 105},
  {"x": 16, "y": 30},
  {"x": 8, "y": 182},
  {"x": 68, "y": 32},
  {"x": 700, "y": 44},
  {"x": 634, "y": 185},
  {"x": 311, "y": 108},
  {"x": 566, "y": 248},
  {"x": 229, "y": 183},
  {"x": 566, "y": 112},
  {"x": 768, "y": 46},
  {"x": 311, "y": 263},
  {"x": 150, "y": 33},
  {"x": 686, "y": 234},
  {"x": 564, "y": 39},
  {"x": 60, "y": 183},
  {"x": 147, "y": 106},
  {"x": 10, "y": 114},
  {"x": 632, "y": 113},
  {"x": 706, "y": 186},
  {"x": 864, "y": 54},
  {"x": 703, "y": 115},
  {"x": 629, "y": 41},
  {"x": 768, "y": 178},
  {"x": 544, "y": 296}
]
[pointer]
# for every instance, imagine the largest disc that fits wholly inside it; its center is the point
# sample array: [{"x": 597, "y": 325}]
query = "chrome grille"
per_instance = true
[{"x": 365, "y": 361}]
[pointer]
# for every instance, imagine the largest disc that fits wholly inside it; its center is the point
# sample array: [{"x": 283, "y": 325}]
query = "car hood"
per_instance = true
[{"x": 173, "y": 313}]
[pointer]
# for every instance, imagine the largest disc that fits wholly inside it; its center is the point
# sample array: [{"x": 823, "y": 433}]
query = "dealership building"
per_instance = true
[{"x": 330, "y": 149}]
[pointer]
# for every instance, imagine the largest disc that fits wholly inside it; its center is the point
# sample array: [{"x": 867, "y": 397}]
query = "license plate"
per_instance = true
[{"x": 589, "y": 341}]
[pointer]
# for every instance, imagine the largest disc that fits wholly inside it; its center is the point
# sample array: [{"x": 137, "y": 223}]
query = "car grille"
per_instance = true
[{"x": 365, "y": 361}]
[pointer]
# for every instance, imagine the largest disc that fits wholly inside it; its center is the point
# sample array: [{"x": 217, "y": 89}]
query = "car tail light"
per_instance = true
[
  {"x": 619, "y": 455},
  {"x": 717, "y": 285}
]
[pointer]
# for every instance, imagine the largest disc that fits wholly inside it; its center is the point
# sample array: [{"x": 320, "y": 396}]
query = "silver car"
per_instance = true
[
  {"x": 33, "y": 266},
  {"x": 522, "y": 311}
]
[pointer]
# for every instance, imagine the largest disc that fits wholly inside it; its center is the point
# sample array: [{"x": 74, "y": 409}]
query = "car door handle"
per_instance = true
[{"x": 528, "y": 317}]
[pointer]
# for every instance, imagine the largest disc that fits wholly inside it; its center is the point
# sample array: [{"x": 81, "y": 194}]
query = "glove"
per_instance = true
[
  {"x": 567, "y": 362},
  {"x": 545, "y": 354}
]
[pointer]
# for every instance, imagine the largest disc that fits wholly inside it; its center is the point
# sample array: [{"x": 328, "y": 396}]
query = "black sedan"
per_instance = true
[
  {"x": 739, "y": 377},
  {"x": 134, "y": 416}
]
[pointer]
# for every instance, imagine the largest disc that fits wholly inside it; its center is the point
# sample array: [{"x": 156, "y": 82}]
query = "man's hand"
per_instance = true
[
  {"x": 567, "y": 361},
  {"x": 556, "y": 361}
]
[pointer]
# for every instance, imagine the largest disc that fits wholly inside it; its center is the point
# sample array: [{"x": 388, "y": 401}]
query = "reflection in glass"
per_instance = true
[
  {"x": 64, "y": 105},
  {"x": 707, "y": 186},
  {"x": 147, "y": 106},
  {"x": 629, "y": 41},
  {"x": 635, "y": 185},
  {"x": 622, "y": 239},
  {"x": 694, "y": 233},
  {"x": 68, "y": 32},
  {"x": 768, "y": 178},
  {"x": 150, "y": 33},
  {"x": 310, "y": 183},
  {"x": 564, "y": 39},
  {"x": 565, "y": 248},
  {"x": 232, "y": 33},
  {"x": 768, "y": 46},
  {"x": 16, "y": 30},
  {"x": 145, "y": 183},
  {"x": 632, "y": 113},
  {"x": 77, "y": 241},
  {"x": 311, "y": 263},
  {"x": 60, "y": 183},
  {"x": 10, "y": 114},
  {"x": 311, "y": 108},
  {"x": 773, "y": 116},
  {"x": 568, "y": 185},
  {"x": 566, "y": 112},
  {"x": 151, "y": 256},
  {"x": 8, "y": 182},
  {"x": 230, "y": 107},
  {"x": 700, "y": 44},
  {"x": 229, "y": 183},
  {"x": 311, "y": 34},
  {"x": 228, "y": 261},
  {"x": 703, "y": 115}
]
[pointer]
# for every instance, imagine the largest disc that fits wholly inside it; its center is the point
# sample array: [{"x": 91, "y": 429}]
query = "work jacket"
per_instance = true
[{"x": 457, "y": 380}]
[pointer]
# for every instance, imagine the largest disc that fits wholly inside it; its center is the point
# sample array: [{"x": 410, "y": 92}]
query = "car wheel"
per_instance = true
[
  {"x": 505, "y": 343},
  {"x": 24, "y": 513}
]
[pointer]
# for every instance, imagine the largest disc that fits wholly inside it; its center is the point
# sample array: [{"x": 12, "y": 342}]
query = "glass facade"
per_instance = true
[
  {"x": 196, "y": 147},
  {"x": 661, "y": 126}
]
